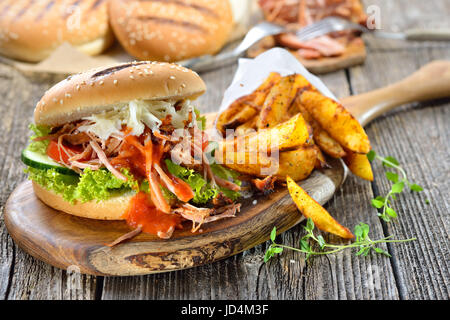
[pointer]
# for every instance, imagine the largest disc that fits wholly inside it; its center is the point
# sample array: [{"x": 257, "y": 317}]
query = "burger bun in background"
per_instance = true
[
  {"x": 32, "y": 30},
  {"x": 171, "y": 30}
]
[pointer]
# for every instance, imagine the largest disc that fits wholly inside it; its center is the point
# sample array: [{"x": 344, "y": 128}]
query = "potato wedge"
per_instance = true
[
  {"x": 231, "y": 111},
  {"x": 298, "y": 163},
  {"x": 326, "y": 143},
  {"x": 359, "y": 165},
  {"x": 246, "y": 113},
  {"x": 254, "y": 99},
  {"x": 247, "y": 127},
  {"x": 277, "y": 103},
  {"x": 262, "y": 91},
  {"x": 311, "y": 209},
  {"x": 250, "y": 163},
  {"x": 286, "y": 135},
  {"x": 337, "y": 121},
  {"x": 321, "y": 162}
]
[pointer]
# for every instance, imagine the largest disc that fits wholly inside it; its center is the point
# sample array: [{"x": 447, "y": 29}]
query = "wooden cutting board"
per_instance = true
[
  {"x": 354, "y": 54},
  {"x": 66, "y": 241}
]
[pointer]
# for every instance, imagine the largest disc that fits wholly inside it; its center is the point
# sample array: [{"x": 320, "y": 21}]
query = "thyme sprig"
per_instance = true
[
  {"x": 383, "y": 204},
  {"x": 362, "y": 242}
]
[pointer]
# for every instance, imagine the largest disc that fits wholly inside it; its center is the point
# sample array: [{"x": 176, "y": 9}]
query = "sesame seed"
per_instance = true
[
  {"x": 78, "y": 87},
  {"x": 115, "y": 81},
  {"x": 131, "y": 77},
  {"x": 61, "y": 101},
  {"x": 68, "y": 95},
  {"x": 172, "y": 77},
  {"x": 101, "y": 82},
  {"x": 183, "y": 85}
]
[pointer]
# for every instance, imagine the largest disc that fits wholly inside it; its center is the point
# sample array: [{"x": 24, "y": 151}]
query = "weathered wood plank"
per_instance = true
[
  {"x": 23, "y": 277},
  {"x": 399, "y": 15},
  {"x": 417, "y": 135},
  {"x": 288, "y": 277},
  {"x": 420, "y": 269},
  {"x": 345, "y": 276}
]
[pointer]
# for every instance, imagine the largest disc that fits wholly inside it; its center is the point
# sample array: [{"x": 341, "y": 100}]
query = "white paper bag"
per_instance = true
[{"x": 252, "y": 72}]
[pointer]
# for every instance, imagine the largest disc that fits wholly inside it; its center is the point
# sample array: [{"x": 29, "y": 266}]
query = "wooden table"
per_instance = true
[{"x": 418, "y": 135}]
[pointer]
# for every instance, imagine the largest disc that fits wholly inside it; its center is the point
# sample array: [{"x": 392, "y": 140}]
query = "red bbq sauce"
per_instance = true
[{"x": 142, "y": 212}]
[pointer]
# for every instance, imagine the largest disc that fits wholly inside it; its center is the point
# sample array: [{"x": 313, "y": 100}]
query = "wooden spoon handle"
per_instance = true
[{"x": 432, "y": 81}]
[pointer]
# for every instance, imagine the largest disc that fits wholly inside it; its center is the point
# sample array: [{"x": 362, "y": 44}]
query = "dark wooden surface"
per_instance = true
[
  {"x": 417, "y": 134},
  {"x": 65, "y": 241}
]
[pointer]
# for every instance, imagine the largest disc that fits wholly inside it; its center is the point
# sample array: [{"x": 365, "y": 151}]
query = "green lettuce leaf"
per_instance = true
[
  {"x": 201, "y": 120},
  {"x": 90, "y": 185},
  {"x": 227, "y": 174},
  {"x": 39, "y": 131},
  {"x": 202, "y": 188}
]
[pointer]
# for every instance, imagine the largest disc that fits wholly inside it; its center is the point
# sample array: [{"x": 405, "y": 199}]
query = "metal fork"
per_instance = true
[
  {"x": 255, "y": 34},
  {"x": 332, "y": 24},
  {"x": 311, "y": 31}
]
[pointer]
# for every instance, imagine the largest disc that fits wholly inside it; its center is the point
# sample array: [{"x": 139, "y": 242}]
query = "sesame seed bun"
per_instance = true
[
  {"x": 111, "y": 209},
  {"x": 171, "y": 30},
  {"x": 32, "y": 30},
  {"x": 101, "y": 90}
]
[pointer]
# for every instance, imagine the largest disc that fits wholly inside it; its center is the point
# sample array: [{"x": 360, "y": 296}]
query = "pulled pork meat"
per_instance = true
[
  {"x": 265, "y": 185},
  {"x": 143, "y": 157},
  {"x": 300, "y": 13}
]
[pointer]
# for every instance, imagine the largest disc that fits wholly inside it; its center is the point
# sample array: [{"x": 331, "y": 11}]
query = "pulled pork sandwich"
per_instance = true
[{"x": 125, "y": 143}]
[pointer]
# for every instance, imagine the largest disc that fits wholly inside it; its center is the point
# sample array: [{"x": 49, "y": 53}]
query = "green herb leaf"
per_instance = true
[
  {"x": 269, "y": 254},
  {"x": 377, "y": 203},
  {"x": 304, "y": 245},
  {"x": 321, "y": 242},
  {"x": 390, "y": 162},
  {"x": 391, "y": 212},
  {"x": 278, "y": 250},
  {"x": 415, "y": 187},
  {"x": 358, "y": 232},
  {"x": 392, "y": 176},
  {"x": 398, "y": 187},
  {"x": 371, "y": 155},
  {"x": 273, "y": 234},
  {"x": 309, "y": 225},
  {"x": 381, "y": 251}
]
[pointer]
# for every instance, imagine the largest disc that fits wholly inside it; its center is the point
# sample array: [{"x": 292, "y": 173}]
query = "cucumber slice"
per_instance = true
[{"x": 43, "y": 162}]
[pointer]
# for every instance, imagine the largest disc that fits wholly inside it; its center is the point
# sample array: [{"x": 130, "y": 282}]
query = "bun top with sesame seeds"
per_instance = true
[
  {"x": 99, "y": 90},
  {"x": 171, "y": 30},
  {"x": 32, "y": 30}
]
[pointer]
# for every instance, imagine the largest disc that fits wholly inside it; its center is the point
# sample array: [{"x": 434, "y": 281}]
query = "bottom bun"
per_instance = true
[{"x": 111, "y": 209}]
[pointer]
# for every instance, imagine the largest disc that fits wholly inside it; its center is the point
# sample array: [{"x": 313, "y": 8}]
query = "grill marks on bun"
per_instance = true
[
  {"x": 31, "y": 29},
  {"x": 181, "y": 3},
  {"x": 171, "y": 30},
  {"x": 187, "y": 25},
  {"x": 111, "y": 70},
  {"x": 45, "y": 10}
]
